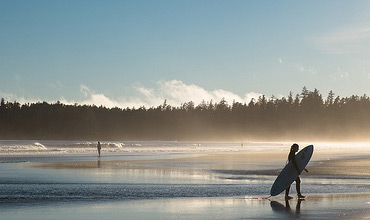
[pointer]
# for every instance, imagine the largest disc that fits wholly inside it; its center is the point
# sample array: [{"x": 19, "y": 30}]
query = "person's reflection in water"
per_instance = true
[
  {"x": 286, "y": 210},
  {"x": 298, "y": 207},
  {"x": 287, "y": 206},
  {"x": 98, "y": 165}
]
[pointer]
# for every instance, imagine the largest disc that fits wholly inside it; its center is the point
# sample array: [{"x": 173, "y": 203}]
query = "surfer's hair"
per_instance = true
[{"x": 294, "y": 146}]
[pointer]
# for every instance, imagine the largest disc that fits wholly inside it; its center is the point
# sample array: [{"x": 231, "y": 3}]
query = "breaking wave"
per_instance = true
[
  {"x": 31, "y": 147},
  {"x": 89, "y": 147},
  {"x": 15, "y": 147}
]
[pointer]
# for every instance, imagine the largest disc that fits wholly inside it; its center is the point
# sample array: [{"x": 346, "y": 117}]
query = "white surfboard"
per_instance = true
[{"x": 289, "y": 174}]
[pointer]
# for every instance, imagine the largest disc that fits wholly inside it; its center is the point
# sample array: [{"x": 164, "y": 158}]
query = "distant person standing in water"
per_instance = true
[
  {"x": 99, "y": 148},
  {"x": 293, "y": 149}
]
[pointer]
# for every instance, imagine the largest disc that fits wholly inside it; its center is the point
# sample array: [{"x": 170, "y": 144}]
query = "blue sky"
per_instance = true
[{"x": 133, "y": 53}]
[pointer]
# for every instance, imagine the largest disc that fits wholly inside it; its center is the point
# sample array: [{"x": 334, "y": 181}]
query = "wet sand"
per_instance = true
[
  {"x": 247, "y": 170},
  {"x": 334, "y": 206},
  {"x": 237, "y": 163}
]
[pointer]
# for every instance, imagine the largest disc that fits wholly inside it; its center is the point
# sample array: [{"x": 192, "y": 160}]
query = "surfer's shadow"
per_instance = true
[{"x": 286, "y": 209}]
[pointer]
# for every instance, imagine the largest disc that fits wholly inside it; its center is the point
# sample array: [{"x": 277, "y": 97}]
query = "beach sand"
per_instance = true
[
  {"x": 229, "y": 185},
  {"x": 344, "y": 163}
]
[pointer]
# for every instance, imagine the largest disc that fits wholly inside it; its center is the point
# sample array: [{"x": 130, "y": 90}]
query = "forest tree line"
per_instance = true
[{"x": 302, "y": 116}]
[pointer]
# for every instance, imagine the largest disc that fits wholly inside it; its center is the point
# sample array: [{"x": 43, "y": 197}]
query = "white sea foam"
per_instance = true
[
  {"x": 12, "y": 147},
  {"x": 40, "y": 146},
  {"x": 65, "y": 147},
  {"x": 88, "y": 147}
]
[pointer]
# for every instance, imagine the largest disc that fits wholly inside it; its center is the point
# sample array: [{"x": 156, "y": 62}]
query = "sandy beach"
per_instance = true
[{"x": 187, "y": 185}]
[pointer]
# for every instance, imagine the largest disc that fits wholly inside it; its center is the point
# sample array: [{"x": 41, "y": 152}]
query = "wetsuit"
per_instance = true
[
  {"x": 291, "y": 157},
  {"x": 99, "y": 148}
]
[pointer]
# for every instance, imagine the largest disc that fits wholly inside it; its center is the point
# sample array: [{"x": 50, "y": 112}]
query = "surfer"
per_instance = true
[
  {"x": 293, "y": 149},
  {"x": 99, "y": 148}
]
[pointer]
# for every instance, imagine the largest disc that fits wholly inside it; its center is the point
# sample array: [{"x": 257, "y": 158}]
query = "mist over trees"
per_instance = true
[{"x": 304, "y": 116}]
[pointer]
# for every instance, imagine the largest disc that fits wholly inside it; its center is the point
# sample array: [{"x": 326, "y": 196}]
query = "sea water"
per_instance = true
[
  {"x": 24, "y": 186},
  {"x": 35, "y": 147}
]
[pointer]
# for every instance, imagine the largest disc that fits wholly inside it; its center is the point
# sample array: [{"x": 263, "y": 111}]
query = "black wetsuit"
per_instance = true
[{"x": 291, "y": 157}]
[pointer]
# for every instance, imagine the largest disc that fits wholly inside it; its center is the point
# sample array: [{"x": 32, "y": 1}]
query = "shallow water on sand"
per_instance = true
[{"x": 205, "y": 184}]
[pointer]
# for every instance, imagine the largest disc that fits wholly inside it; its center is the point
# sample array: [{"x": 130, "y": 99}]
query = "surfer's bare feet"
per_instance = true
[
  {"x": 300, "y": 196},
  {"x": 288, "y": 197}
]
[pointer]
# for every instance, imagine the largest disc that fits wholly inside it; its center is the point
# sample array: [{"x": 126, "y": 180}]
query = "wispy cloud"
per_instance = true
[
  {"x": 340, "y": 74},
  {"x": 280, "y": 60},
  {"x": 309, "y": 70},
  {"x": 17, "y": 77},
  {"x": 298, "y": 67},
  {"x": 174, "y": 91},
  {"x": 345, "y": 41},
  {"x": 54, "y": 85}
]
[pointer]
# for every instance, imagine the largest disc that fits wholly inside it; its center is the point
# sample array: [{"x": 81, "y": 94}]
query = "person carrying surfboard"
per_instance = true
[{"x": 291, "y": 157}]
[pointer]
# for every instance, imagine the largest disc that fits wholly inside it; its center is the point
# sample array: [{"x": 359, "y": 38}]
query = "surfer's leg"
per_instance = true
[
  {"x": 298, "y": 187},
  {"x": 287, "y": 193}
]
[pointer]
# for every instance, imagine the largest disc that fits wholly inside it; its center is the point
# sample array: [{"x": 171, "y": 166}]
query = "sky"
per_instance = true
[{"x": 140, "y": 53}]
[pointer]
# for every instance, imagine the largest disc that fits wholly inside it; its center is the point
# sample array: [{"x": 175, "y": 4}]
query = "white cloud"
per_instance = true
[
  {"x": 252, "y": 95},
  {"x": 93, "y": 98},
  {"x": 345, "y": 41},
  {"x": 11, "y": 98},
  {"x": 174, "y": 91}
]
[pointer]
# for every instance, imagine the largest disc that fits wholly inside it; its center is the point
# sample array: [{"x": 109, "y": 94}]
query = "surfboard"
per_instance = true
[{"x": 289, "y": 174}]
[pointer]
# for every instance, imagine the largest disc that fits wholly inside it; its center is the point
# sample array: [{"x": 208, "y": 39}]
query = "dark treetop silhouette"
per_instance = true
[{"x": 304, "y": 116}]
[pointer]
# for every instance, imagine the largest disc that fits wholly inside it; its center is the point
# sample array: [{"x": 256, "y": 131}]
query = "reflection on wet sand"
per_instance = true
[
  {"x": 286, "y": 210},
  {"x": 350, "y": 206},
  {"x": 238, "y": 168}
]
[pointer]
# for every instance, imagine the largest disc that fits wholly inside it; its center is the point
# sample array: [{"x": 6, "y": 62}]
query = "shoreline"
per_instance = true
[{"x": 211, "y": 185}]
